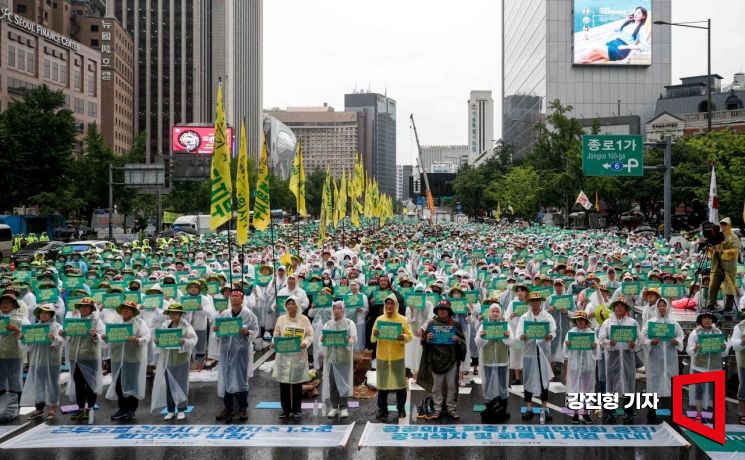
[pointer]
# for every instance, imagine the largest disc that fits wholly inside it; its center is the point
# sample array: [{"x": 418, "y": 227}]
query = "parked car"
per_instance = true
[
  {"x": 88, "y": 245},
  {"x": 50, "y": 249}
]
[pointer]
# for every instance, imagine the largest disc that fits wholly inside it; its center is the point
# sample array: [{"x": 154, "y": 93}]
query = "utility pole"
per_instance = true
[{"x": 667, "y": 163}]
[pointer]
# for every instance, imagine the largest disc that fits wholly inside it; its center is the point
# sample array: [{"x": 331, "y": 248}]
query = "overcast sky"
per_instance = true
[{"x": 429, "y": 54}]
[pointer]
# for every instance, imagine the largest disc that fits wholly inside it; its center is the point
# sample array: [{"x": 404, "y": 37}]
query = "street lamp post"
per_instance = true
[{"x": 708, "y": 58}]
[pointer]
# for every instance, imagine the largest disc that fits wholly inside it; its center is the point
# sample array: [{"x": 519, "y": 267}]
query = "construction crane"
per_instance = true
[{"x": 420, "y": 164}]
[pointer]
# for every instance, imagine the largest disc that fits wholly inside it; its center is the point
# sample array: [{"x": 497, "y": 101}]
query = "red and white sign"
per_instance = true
[{"x": 196, "y": 139}]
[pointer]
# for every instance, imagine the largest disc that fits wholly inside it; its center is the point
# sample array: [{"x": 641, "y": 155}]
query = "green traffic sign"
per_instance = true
[{"x": 612, "y": 155}]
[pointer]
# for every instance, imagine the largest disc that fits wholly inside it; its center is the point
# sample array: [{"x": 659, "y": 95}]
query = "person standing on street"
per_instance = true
[{"x": 724, "y": 268}]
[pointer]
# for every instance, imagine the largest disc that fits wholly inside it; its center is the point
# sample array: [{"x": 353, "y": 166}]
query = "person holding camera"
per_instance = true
[{"x": 724, "y": 268}]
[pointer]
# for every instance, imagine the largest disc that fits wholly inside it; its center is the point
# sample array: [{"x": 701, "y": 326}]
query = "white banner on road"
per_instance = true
[
  {"x": 64, "y": 436},
  {"x": 382, "y": 435},
  {"x": 8, "y": 429}
]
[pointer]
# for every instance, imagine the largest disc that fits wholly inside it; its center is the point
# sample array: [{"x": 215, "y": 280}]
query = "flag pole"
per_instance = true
[{"x": 230, "y": 252}]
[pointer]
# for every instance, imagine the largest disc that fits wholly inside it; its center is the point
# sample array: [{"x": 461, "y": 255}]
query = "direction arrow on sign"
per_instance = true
[{"x": 612, "y": 155}]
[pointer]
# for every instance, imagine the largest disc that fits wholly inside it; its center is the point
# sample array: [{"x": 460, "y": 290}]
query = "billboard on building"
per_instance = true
[
  {"x": 612, "y": 32},
  {"x": 195, "y": 139}
]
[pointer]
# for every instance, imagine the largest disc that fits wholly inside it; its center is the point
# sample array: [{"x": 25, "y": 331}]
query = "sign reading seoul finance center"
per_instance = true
[{"x": 612, "y": 155}]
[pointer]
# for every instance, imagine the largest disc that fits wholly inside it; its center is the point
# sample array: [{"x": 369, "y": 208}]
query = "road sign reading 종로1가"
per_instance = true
[{"x": 612, "y": 155}]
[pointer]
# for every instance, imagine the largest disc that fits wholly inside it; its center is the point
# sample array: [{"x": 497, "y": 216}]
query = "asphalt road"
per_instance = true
[{"x": 263, "y": 388}]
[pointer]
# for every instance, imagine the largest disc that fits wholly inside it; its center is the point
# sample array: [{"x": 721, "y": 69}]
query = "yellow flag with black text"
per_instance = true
[
  {"x": 297, "y": 181},
  {"x": 262, "y": 207},
  {"x": 221, "y": 197},
  {"x": 242, "y": 198}
]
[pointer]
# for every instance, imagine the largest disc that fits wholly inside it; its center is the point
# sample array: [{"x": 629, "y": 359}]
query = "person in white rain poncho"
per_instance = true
[
  {"x": 199, "y": 320},
  {"x": 561, "y": 318},
  {"x": 662, "y": 353},
  {"x": 319, "y": 315},
  {"x": 236, "y": 356},
  {"x": 42, "y": 383},
  {"x": 11, "y": 350},
  {"x": 84, "y": 357},
  {"x": 737, "y": 342},
  {"x": 580, "y": 363},
  {"x": 514, "y": 311},
  {"x": 417, "y": 317},
  {"x": 171, "y": 383},
  {"x": 264, "y": 298},
  {"x": 702, "y": 395},
  {"x": 649, "y": 309},
  {"x": 291, "y": 369},
  {"x": 537, "y": 371},
  {"x": 153, "y": 317},
  {"x": 361, "y": 313},
  {"x": 338, "y": 363},
  {"x": 620, "y": 367},
  {"x": 494, "y": 362},
  {"x": 129, "y": 364}
]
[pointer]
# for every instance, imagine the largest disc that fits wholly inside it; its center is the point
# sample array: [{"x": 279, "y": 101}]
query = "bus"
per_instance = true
[{"x": 6, "y": 242}]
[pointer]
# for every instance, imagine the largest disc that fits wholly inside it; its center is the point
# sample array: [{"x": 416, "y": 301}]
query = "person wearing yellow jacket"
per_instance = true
[
  {"x": 391, "y": 366},
  {"x": 724, "y": 268}
]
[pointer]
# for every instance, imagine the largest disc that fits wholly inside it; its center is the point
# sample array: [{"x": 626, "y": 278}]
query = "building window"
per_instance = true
[
  {"x": 92, "y": 109},
  {"x": 94, "y": 43},
  {"x": 11, "y": 56},
  {"x": 94, "y": 27},
  {"x": 21, "y": 9},
  {"x": 78, "y": 79},
  {"x": 30, "y": 63},
  {"x": 79, "y": 106},
  {"x": 21, "y": 60},
  {"x": 47, "y": 69}
]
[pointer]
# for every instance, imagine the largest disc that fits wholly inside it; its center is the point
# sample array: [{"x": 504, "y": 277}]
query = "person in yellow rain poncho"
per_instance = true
[{"x": 391, "y": 366}]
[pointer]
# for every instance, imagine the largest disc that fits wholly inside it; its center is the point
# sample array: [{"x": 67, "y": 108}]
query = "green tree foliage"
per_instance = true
[{"x": 37, "y": 136}]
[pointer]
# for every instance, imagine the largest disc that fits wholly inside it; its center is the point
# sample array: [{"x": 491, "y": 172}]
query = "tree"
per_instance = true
[
  {"x": 468, "y": 187},
  {"x": 37, "y": 136},
  {"x": 90, "y": 171},
  {"x": 519, "y": 188},
  {"x": 314, "y": 190}
]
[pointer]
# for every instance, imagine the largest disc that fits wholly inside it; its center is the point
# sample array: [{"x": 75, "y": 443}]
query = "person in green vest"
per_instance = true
[{"x": 44, "y": 237}]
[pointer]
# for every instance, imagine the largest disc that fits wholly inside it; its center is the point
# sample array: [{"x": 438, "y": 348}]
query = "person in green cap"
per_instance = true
[
  {"x": 171, "y": 383},
  {"x": 129, "y": 364},
  {"x": 44, "y": 359}
]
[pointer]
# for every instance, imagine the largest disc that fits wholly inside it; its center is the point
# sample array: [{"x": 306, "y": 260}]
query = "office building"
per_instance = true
[
  {"x": 434, "y": 157},
  {"x": 183, "y": 48},
  {"x": 379, "y": 158},
  {"x": 117, "y": 74},
  {"x": 32, "y": 55},
  {"x": 682, "y": 109},
  {"x": 403, "y": 173},
  {"x": 330, "y": 140},
  {"x": 480, "y": 123},
  {"x": 548, "y": 53}
]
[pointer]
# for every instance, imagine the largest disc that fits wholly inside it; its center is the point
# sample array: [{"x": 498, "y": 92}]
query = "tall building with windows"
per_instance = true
[
  {"x": 380, "y": 118},
  {"x": 183, "y": 49},
  {"x": 438, "y": 156},
  {"x": 557, "y": 49},
  {"x": 32, "y": 55},
  {"x": 480, "y": 123},
  {"x": 330, "y": 140},
  {"x": 403, "y": 173}
]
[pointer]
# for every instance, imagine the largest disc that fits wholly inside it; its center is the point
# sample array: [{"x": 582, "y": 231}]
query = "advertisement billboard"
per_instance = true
[
  {"x": 612, "y": 32},
  {"x": 195, "y": 139}
]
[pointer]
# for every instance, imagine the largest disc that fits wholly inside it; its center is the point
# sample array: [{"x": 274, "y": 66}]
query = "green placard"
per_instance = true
[
  {"x": 73, "y": 282},
  {"x": 459, "y": 305},
  {"x": 35, "y": 334},
  {"x": 153, "y": 301},
  {"x": 112, "y": 300},
  {"x": 473, "y": 296},
  {"x": 119, "y": 333},
  {"x": 47, "y": 295},
  {"x": 669, "y": 291},
  {"x": 201, "y": 270},
  {"x": 263, "y": 280},
  {"x": 662, "y": 331},
  {"x": 4, "y": 323},
  {"x": 133, "y": 296},
  {"x": 623, "y": 333},
  {"x": 379, "y": 296},
  {"x": 433, "y": 298},
  {"x": 333, "y": 338},
  {"x": 417, "y": 300},
  {"x": 220, "y": 304},
  {"x": 631, "y": 287},
  {"x": 560, "y": 302},
  {"x": 404, "y": 291},
  {"x": 322, "y": 300},
  {"x": 312, "y": 287},
  {"x": 170, "y": 290},
  {"x": 77, "y": 327},
  {"x": 519, "y": 308},
  {"x": 169, "y": 338},
  {"x": 340, "y": 291},
  {"x": 711, "y": 343},
  {"x": 388, "y": 330},
  {"x": 280, "y": 304},
  {"x": 581, "y": 340},
  {"x": 442, "y": 335},
  {"x": 612, "y": 155},
  {"x": 287, "y": 344},
  {"x": 353, "y": 301},
  {"x": 495, "y": 329},
  {"x": 589, "y": 292},
  {"x": 545, "y": 291},
  {"x": 191, "y": 302},
  {"x": 370, "y": 291},
  {"x": 536, "y": 330},
  {"x": 213, "y": 287},
  {"x": 228, "y": 327}
]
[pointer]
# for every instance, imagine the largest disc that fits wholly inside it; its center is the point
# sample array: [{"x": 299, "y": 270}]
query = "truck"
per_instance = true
[{"x": 200, "y": 223}]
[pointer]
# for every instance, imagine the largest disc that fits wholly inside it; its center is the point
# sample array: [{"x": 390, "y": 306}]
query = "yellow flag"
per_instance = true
[
  {"x": 324, "y": 218},
  {"x": 342, "y": 204},
  {"x": 221, "y": 198},
  {"x": 335, "y": 211},
  {"x": 297, "y": 181},
  {"x": 262, "y": 207},
  {"x": 242, "y": 198},
  {"x": 359, "y": 177}
]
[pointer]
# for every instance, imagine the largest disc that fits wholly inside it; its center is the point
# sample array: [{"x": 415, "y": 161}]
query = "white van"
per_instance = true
[
  {"x": 199, "y": 223},
  {"x": 6, "y": 242}
]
